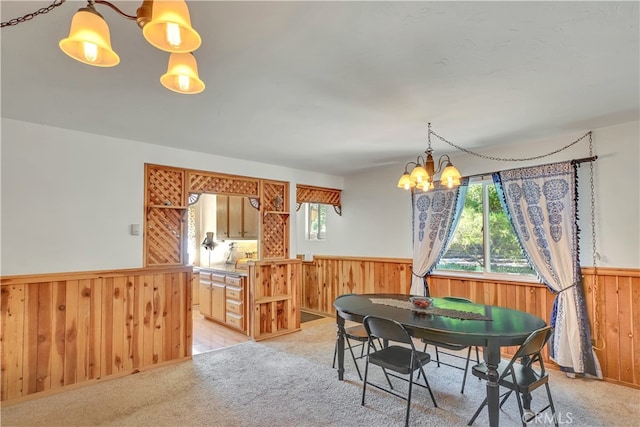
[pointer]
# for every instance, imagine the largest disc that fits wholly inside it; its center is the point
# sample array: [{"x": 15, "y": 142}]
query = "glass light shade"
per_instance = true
[
  {"x": 89, "y": 40},
  {"x": 425, "y": 186},
  {"x": 419, "y": 174},
  {"x": 450, "y": 176},
  {"x": 182, "y": 74},
  {"x": 405, "y": 181},
  {"x": 170, "y": 27}
]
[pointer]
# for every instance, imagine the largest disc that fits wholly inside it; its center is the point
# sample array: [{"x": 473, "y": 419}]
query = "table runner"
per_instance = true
[{"x": 447, "y": 312}]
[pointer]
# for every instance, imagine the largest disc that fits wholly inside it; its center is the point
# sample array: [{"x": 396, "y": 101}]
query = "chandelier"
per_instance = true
[
  {"x": 166, "y": 25},
  {"x": 423, "y": 174}
]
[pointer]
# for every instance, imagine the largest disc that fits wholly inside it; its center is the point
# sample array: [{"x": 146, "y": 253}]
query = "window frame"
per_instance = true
[
  {"x": 486, "y": 248},
  {"x": 308, "y": 221}
]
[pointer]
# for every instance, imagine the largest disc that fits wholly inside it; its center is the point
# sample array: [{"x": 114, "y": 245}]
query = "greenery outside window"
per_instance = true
[
  {"x": 484, "y": 241},
  {"x": 316, "y": 221}
]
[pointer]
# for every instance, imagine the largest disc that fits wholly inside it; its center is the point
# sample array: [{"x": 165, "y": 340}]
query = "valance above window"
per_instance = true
[{"x": 310, "y": 194}]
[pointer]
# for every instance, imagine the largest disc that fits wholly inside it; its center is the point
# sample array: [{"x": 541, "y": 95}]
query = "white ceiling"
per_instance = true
[{"x": 338, "y": 87}]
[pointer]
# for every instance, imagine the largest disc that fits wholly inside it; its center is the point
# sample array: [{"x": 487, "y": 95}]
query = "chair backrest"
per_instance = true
[
  {"x": 530, "y": 351},
  {"x": 386, "y": 329},
  {"x": 534, "y": 343}
]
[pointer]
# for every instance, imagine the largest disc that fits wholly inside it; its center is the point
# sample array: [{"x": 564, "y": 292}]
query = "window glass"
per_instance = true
[
  {"x": 316, "y": 221},
  {"x": 484, "y": 240}
]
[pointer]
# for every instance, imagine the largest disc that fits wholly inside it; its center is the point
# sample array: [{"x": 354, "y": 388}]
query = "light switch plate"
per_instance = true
[{"x": 135, "y": 229}]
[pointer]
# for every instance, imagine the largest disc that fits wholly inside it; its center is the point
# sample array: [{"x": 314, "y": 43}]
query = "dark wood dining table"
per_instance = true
[{"x": 493, "y": 328}]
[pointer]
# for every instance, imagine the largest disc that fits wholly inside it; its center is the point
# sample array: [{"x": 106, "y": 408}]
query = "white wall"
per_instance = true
[
  {"x": 376, "y": 217},
  {"x": 69, "y": 197}
]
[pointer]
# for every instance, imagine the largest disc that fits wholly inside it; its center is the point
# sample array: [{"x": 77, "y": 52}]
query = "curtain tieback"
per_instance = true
[
  {"x": 417, "y": 275},
  {"x": 568, "y": 287}
]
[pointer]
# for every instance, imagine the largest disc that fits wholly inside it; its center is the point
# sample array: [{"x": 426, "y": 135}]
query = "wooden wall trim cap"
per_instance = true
[{"x": 80, "y": 275}]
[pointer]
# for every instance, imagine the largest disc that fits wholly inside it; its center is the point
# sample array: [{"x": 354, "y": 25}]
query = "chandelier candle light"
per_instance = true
[
  {"x": 166, "y": 25},
  {"x": 423, "y": 174}
]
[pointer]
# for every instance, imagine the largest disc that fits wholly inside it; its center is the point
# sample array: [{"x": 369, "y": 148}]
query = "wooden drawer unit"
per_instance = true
[
  {"x": 235, "y": 293},
  {"x": 218, "y": 278},
  {"x": 235, "y": 320},
  {"x": 223, "y": 298},
  {"x": 234, "y": 281},
  {"x": 235, "y": 307}
]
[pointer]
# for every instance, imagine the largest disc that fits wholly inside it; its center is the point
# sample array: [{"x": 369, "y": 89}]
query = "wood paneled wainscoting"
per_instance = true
[
  {"x": 61, "y": 330},
  {"x": 613, "y": 300}
]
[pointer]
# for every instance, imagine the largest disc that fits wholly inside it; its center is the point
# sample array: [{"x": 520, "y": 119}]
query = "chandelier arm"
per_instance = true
[
  {"x": 112, "y": 6},
  {"x": 503, "y": 159},
  {"x": 441, "y": 163},
  {"x": 30, "y": 16}
]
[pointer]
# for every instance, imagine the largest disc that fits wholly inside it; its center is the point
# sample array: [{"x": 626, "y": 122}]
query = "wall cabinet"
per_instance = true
[{"x": 236, "y": 219}]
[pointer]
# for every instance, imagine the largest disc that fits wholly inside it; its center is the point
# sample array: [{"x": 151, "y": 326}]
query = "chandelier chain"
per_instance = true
[
  {"x": 596, "y": 285},
  {"x": 506, "y": 159},
  {"x": 30, "y": 16}
]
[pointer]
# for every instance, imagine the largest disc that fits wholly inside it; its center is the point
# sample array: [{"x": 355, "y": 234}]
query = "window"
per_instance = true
[
  {"x": 484, "y": 240},
  {"x": 316, "y": 221}
]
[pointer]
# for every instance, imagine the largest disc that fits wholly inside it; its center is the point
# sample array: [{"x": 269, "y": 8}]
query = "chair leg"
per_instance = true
[
  {"x": 406, "y": 420},
  {"x": 520, "y": 408},
  {"x": 366, "y": 373},
  {"x": 466, "y": 369},
  {"x": 505, "y": 397},
  {"x": 437, "y": 356},
  {"x": 426, "y": 382},
  {"x": 373, "y": 344},
  {"x": 353, "y": 356},
  {"x": 553, "y": 408},
  {"x": 480, "y": 408}
]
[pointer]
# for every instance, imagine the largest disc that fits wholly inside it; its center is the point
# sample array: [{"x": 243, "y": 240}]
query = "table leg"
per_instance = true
[
  {"x": 340, "y": 342},
  {"x": 492, "y": 359}
]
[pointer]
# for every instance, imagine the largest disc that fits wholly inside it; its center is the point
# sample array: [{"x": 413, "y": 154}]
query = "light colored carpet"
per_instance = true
[{"x": 289, "y": 381}]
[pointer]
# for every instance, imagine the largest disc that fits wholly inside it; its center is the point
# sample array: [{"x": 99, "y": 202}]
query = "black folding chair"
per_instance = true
[
  {"x": 403, "y": 359},
  {"x": 439, "y": 345},
  {"x": 522, "y": 377},
  {"x": 356, "y": 333}
]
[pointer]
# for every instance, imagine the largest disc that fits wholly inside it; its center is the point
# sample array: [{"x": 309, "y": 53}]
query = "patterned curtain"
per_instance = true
[
  {"x": 435, "y": 216},
  {"x": 541, "y": 202}
]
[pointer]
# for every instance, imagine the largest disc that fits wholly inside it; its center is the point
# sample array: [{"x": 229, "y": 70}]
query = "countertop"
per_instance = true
[{"x": 222, "y": 268}]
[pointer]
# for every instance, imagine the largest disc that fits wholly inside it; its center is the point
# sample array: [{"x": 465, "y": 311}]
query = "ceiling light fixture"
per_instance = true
[
  {"x": 166, "y": 25},
  {"x": 423, "y": 174}
]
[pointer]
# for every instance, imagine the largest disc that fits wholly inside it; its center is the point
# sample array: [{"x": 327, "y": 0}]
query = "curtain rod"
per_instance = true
[{"x": 574, "y": 161}]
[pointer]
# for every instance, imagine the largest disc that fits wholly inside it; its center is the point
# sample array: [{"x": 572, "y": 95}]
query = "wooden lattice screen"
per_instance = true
[
  {"x": 165, "y": 215},
  {"x": 166, "y": 206},
  {"x": 309, "y": 194},
  {"x": 202, "y": 182},
  {"x": 274, "y": 204}
]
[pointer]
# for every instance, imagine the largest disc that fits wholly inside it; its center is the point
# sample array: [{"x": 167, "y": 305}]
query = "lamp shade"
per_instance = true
[
  {"x": 450, "y": 176},
  {"x": 182, "y": 74},
  {"x": 89, "y": 40},
  {"x": 419, "y": 174},
  {"x": 170, "y": 27},
  {"x": 405, "y": 181}
]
